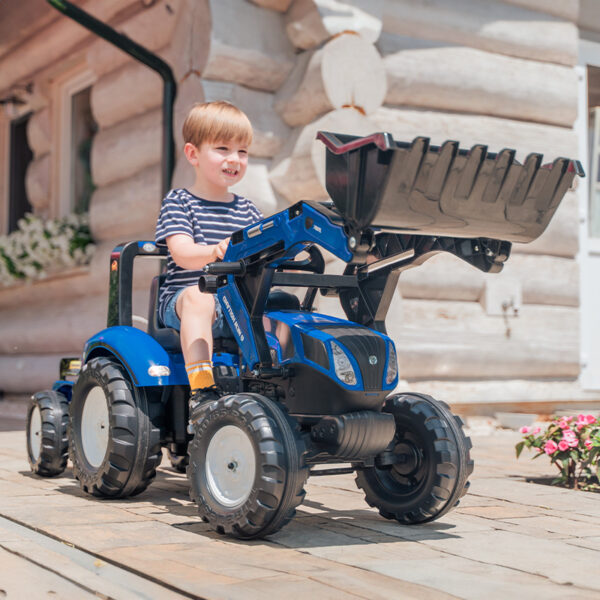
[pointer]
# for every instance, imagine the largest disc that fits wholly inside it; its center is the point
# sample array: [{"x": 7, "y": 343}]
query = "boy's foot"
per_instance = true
[{"x": 198, "y": 397}]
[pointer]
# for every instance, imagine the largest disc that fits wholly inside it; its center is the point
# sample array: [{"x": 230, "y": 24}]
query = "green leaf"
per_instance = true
[{"x": 519, "y": 448}]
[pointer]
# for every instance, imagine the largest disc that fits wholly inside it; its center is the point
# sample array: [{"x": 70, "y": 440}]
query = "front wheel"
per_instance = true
[
  {"x": 246, "y": 470},
  {"x": 114, "y": 437},
  {"x": 47, "y": 442},
  {"x": 424, "y": 472}
]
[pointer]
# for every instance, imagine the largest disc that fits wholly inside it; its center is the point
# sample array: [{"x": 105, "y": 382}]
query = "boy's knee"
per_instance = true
[{"x": 192, "y": 299}]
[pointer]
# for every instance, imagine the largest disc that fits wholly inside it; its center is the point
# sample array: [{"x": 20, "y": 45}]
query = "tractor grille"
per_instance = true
[{"x": 362, "y": 344}]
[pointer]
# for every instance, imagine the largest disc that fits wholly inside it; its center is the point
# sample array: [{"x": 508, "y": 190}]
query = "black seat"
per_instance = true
[{"x": 167, "y": 337}]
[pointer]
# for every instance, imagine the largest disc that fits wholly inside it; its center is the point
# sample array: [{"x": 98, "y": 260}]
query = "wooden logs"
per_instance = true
[
  {"x": 406, "y": 124},
  {"x": 111, "y": 105},
  {"x": 39, "y": 132},
  {"x": 126, "y": 148},
  {"x": 128, "y": 208},
  {"x": 278, "y": 5},
  {"x": 270, "y": 131},
  {"x": 347, "y": 71},
  {"x": 510, "y": 395},
  {"x": 56, "y": 40},
  {"x": 298, "y": 171},
  {"x": 152, "y": 28},
  {"x": 543, "y": 279},
  {"x": 457, "y": 340},
  {"x": 37, "y": 183},
  {"x": 469, "y": 80},
  {"x": 561, "y": 238},
  {"x": 485, "y": 24},
  {"x": 25, "y": 374},
  {"x": 563, "y": 9},
  {"x": 256, "y": 187},
  {"x": 309, "y": 23},
  {"x": 248, "y": 46}
]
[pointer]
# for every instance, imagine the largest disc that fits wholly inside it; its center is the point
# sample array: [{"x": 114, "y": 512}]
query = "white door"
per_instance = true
[{"x": 588, "y": 131}]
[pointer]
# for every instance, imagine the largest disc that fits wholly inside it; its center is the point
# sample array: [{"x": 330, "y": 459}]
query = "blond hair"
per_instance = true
[{"x": 220, "y": 121}]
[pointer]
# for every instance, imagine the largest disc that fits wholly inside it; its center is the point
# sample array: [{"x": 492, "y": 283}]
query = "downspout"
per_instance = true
[{"x": 149, "y": 59}]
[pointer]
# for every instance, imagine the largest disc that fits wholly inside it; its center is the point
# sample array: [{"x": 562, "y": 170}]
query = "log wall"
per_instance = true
[{"x": 498, "y": 72}]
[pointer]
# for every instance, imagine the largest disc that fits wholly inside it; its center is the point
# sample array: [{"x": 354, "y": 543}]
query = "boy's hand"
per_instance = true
[{"x": 221, "y": 248}]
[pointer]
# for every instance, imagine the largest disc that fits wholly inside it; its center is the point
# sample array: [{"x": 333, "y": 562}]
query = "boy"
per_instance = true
[{"x": 196, "y": 224}]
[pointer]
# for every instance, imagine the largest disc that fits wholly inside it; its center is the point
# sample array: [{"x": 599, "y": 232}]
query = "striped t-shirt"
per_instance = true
[{"x": 205, "y": 222}]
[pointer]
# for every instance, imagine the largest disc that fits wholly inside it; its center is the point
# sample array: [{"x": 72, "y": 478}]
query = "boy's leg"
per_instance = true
[{"x": 196, "y": 312}]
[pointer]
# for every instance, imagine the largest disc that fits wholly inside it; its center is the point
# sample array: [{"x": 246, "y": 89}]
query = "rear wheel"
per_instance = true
[
  {"x": 424, "y": 472},
  {"x": 114, "y": 436},
  {"x": 47, "y": 442},
  {"x": 246, "y": 470}
]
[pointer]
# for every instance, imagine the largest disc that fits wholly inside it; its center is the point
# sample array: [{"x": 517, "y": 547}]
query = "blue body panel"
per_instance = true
[
  {"x": 302, "y": 322},
  {"x": 137, "y": 352}
]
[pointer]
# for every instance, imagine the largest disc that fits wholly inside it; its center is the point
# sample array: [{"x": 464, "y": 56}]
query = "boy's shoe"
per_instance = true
[{"x": 198, "y": 397}]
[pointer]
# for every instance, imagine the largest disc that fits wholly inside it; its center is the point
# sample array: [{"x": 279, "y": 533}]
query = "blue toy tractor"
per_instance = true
[{"x": 299, "y": 389}]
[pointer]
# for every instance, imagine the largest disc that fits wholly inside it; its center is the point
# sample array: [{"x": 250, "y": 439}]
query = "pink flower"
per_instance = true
[
  {"x": 536, "y": 430},
  {"x": 563, "y": 424},
  {"x": 588, "y": 444},
  {"x": 524, "y": 429},
  {"x": 550, "y": 447},
  {"x": 590, "y": 419},
  {"x": 562, "y": 445},
  {"x": 580, "y": 426},
  {"x": 568, "y": 419}
]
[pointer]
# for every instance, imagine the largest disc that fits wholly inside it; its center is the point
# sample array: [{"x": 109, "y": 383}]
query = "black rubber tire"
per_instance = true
[
  {"x": 178, "y": 461},
  {"x": 432, "y": 483},
  {"x": 134, "y": 441},
  {"x": 54, "y": 412},
  {"x": 281, "y": 471}
]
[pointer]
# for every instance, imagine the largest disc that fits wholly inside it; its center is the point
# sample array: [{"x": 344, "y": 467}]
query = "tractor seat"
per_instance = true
[{"x": 168, "y": 338}]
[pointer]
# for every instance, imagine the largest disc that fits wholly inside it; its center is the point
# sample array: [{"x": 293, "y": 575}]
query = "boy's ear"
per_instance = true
[{"x": 191, "y": 153}]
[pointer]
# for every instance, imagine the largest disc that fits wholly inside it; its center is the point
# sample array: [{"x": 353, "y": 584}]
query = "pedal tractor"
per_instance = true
[{"x": 300, "y": 389}]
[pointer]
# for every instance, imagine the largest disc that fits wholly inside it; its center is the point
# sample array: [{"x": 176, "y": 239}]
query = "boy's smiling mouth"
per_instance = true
[{"x": 231, "y": 172}]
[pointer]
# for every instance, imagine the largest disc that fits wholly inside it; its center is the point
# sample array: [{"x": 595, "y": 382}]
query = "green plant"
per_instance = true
[
  {"x": 572, "y": 445},
  {"x": 38, "y": 247}
]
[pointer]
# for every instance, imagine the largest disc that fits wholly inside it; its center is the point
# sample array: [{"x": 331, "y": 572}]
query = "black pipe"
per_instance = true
[{"x": 146, "y": 57}]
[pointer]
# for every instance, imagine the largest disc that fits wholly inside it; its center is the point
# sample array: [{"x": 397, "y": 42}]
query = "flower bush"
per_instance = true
[
  {"x": 38, "y": 247},
  {"x": 573, "y": 445}
]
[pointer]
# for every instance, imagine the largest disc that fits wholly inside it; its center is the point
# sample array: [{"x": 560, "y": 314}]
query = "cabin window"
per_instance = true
[
  {"x": 20, "y": 156},
  {"x": 83, "y": 129}
]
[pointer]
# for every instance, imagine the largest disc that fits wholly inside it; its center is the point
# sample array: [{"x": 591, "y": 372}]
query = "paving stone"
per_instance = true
[
  {"x": 19, "y": 578},
  {"x": 565, "y": 526},
  {"x": 554, "y": 559},
  {"x": 505, "y": 511}
]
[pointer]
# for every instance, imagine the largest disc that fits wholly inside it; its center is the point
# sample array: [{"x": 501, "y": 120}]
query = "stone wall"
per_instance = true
[{"x": 478, "y": 71}]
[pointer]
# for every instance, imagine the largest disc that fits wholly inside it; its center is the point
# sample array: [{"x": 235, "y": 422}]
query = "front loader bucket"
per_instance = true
[{"x": 416, "y": 188}]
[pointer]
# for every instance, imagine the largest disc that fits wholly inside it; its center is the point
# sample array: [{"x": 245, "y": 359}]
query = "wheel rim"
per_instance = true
[
  {"x": 407, "y": 477},
  {"x": 94, "y": 427},
  {"x": 35, "y": 433},
  {"x": 230, "y": 466}
]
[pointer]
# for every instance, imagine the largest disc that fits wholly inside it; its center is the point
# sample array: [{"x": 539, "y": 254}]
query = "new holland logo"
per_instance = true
[{"x": 233, "y": 319}]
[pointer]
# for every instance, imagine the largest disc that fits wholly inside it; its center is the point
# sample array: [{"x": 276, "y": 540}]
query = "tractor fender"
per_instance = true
[{"x": 137, "y": 352}]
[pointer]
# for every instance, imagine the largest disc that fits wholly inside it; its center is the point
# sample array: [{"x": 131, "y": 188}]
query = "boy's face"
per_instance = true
[{"x": 218, "y": 164}]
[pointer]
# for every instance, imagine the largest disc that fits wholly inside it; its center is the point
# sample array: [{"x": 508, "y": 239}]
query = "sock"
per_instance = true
[{"x": 200, "y": 374}]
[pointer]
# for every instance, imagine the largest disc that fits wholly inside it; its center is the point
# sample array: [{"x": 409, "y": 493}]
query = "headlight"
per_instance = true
[
  {"x": 392, "y": 366},
  {"x": 342, "y": 365}
]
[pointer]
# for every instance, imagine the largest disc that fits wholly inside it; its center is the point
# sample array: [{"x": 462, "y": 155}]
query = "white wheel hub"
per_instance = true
[
  {"x": 35, "y": 433},
  {"x": 94, "y": 426},
  {"x": 230, "y": 466}
]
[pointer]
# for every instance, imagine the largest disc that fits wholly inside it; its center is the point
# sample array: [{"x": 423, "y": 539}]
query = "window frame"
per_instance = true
[
  {"x": 66, "y": 87},
  {"x": 10, "y": 113}
]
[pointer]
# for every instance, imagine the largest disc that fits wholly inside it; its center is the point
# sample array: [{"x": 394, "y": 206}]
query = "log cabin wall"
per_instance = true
[{"x": 499, "y": 72}]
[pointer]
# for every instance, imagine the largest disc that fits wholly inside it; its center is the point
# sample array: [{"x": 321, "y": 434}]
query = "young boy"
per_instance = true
[{"x": 196, "y": 224}]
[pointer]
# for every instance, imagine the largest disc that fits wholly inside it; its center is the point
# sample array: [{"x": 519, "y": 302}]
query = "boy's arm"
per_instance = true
[{"x": 191, "y": 256}]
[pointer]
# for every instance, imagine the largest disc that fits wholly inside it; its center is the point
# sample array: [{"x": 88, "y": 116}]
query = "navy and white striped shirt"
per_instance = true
[{"x": 205, "y": 222}]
